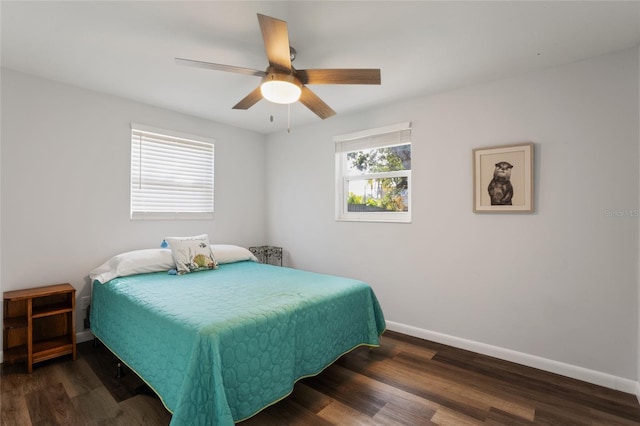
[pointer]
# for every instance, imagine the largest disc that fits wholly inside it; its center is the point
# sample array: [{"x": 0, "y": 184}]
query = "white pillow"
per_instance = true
[
  {"x": 227, "y": 253},
  {"x": 192, "y": 254},
  {"x": 133, "y": 262}
]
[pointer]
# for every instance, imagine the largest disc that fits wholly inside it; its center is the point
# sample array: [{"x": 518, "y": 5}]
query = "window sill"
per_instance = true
[
  {"x": 397, "y": 219},
  {"x": 171, "y": 216}
]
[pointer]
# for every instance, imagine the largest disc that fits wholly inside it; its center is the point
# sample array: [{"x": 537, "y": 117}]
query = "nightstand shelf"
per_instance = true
[
  {"x": 45, "y": 311},
  {"x": 39, "y": 324}
]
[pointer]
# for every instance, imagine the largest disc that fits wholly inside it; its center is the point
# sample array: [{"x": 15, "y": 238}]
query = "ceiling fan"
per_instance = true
[{"x": 281, "y": 82}]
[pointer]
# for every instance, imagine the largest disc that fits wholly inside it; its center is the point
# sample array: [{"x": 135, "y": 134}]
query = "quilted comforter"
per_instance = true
[{"x": 218, "y": 346}]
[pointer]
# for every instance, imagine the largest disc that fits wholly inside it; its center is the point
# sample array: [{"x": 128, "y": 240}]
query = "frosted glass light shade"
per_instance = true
[{"x": 280, "y": 88}]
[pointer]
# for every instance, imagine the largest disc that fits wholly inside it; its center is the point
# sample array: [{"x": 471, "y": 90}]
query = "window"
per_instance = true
[
  {"x": 373, "y": 175},
  {"x": 171, "y": 175}
]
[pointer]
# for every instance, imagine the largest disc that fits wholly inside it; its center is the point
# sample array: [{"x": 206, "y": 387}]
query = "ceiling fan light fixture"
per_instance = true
[{"x": 281, "y": 88}]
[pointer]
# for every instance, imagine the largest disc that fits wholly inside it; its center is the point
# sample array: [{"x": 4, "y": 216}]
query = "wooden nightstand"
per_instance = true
[{"x": 39, "y": 324}]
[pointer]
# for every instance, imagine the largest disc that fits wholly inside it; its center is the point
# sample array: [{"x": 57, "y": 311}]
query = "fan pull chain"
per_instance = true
[{"x": 288, "y": 118}]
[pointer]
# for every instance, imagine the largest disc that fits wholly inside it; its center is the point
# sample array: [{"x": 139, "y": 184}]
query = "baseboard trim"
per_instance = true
[
  {"x": 573, "y": 371},
  {"x": 84, "y": 336}
]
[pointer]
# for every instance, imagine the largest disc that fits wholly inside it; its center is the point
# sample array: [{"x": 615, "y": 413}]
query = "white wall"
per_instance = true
[
  {"x": 65, "y": 182},
  {"x": 557, "y": 288},
  {"x": 559, "y": 285}
]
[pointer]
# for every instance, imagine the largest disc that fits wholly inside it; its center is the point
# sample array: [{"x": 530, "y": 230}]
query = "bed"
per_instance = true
[{"x": 219, "y": 345}]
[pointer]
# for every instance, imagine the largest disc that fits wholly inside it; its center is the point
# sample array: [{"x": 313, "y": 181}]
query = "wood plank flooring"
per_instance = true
[{"x": 407, "y": 381}]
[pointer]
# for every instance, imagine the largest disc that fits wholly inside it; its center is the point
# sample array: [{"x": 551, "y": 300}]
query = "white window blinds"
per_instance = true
[{"x": 171, "y": 176}]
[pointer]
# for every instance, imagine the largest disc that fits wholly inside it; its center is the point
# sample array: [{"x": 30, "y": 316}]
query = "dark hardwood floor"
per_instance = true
[{"x": 406, "y": 381}]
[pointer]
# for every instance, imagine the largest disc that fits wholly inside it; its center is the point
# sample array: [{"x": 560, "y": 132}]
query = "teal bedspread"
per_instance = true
[{"x": 218, "y": 346}]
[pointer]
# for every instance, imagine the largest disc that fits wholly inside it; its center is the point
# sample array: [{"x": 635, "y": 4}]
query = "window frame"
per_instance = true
[
  {"x": 357, "y": 141},
  {"x": 169, "y": 136}
]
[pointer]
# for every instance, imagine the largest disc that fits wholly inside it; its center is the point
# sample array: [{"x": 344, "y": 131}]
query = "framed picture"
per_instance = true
[{"x": 503, "y": 179}]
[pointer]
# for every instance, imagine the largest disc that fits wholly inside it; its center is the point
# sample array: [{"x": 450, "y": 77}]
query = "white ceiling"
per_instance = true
[{"x": 128, "y": 48}]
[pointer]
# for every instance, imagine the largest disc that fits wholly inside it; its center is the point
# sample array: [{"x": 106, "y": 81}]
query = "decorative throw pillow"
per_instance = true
[{"x": 192, "y": 254}]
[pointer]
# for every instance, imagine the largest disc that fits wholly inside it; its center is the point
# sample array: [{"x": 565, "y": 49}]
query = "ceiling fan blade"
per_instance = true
[
  {"x": 276, "y": 42},
  {"x": 315, "y": 104},
  {"x": 339, "y": 76},
  {"x": 219, "y": 67},
  {"x": 250, "y": 100}
]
